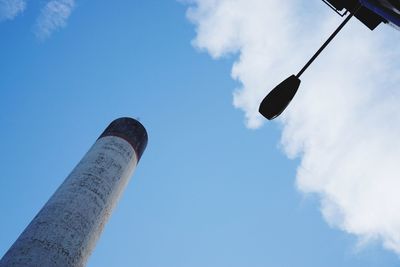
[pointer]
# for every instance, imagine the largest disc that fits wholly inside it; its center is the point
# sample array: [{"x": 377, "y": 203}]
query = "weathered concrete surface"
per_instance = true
[{"x": 65, "y": 231}]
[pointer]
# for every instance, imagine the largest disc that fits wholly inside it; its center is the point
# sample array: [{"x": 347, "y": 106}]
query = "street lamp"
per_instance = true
[{"x": 279, "y": 98}]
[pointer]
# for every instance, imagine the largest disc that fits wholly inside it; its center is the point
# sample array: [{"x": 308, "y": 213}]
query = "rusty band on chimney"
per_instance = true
[{"x": 131, "y": 131}]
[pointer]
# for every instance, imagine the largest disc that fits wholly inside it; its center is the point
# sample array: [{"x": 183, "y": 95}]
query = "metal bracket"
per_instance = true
[{"x": 342, "y": 14}]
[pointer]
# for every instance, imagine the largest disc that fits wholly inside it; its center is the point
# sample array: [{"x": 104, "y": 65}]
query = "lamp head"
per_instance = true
[{"x": 279, "y": 98}]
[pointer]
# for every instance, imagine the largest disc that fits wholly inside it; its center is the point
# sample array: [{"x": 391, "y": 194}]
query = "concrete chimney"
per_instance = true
[{"x": 66, "y": 229}]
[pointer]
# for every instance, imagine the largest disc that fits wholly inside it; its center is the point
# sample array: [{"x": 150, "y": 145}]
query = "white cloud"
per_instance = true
[
  {"x": 53, "y": 16},
  {"x": 344, "y": 122},
  {"x": 9, "y": 9}
]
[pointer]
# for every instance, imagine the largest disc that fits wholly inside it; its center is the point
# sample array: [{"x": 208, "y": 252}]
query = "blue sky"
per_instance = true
[{"x": 208, "y": 191}]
